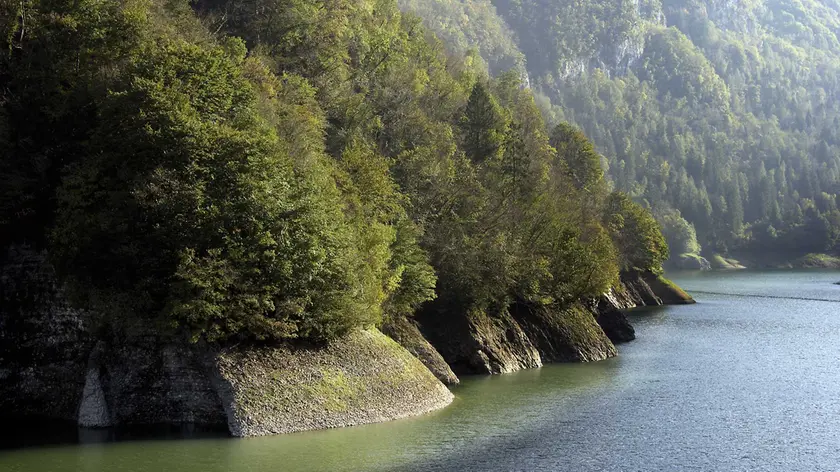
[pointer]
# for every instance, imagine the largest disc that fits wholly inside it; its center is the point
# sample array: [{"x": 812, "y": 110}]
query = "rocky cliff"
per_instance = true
[
  {"x": 522, "y": 337},
  {"x": 44, "y": 344},
  {"x": 364, "y": 377},
  {"x": 52, "y": 364}
]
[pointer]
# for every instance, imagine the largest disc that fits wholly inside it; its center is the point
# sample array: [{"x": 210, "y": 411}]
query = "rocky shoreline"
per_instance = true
[{"x": 51, "y": 365}]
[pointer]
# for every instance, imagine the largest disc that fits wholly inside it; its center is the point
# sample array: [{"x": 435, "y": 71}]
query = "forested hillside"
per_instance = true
[
  {"x": 273, "y": 169},
  {"x": 718, "y": 115}
]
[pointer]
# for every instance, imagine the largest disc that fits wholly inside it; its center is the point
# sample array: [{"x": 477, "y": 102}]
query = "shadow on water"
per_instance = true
[
  {"x": 26, "y": 432},
  {"x": 510, "y": 448}
]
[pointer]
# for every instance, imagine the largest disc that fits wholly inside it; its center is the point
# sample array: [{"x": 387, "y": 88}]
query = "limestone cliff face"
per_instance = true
[
  {"x": 478, "y": 343},
  {"x": 149, "y": 380},
  {"x": 569, "y": 335},
  {"x": 44, "y": 344},
  {"x": 51, "y": 365},
  {"x": 519, "y": 337},
  {"x": 364, "y": 377},
  {"x": 405, "y": 332},
  {"x": 522, "y": 337}
]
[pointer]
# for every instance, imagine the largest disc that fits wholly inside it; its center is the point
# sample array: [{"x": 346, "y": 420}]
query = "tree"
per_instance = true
[
  {"x": 636, "y": 234},
  {"x": 584, "y": 163},
  {"x": 189, "y": 209},
  {"x": 483, "y": 125}
]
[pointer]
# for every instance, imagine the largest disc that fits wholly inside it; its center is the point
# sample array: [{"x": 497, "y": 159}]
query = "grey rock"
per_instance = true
[
  {"x": 44, "y": 343},
  {"x": 364, "y": 377},
  {"x": 479, "y": 343},
  {"x": 52, "y": 366},
  {"x": 405, "y": 332}
]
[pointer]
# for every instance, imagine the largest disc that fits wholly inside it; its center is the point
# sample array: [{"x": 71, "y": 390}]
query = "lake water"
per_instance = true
[{"x": 748, "y": 379}]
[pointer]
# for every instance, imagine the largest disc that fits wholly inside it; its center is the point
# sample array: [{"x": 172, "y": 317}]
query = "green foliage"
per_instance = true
[
  {"x": 468, "y": 24},
  {"x": 679, "y": 233},
  {"x": 331, "y": 167},
  {"x": 636, "y": 233},
  {"x": 55, "y": 57},
  {"x": 207, "y": 221},
  {"x": 579, "y": 153},
  {"x": 726, "y": 115},
  {"x": 483, "y": 125}
]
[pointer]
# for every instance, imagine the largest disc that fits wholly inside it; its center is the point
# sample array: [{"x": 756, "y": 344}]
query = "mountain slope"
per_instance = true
[{"x": 721, "y": 113}]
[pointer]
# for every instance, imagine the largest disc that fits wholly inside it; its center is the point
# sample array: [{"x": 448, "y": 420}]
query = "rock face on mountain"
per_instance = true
[
  {"x": 521, "y": 337},
  {"x": 364, "y": 377},
  {"x": 51, "y": 365},
  {"x": 611, "y": 318},
  {"x": 148, "y": 380},
  {"x": 569, "y": 335},
  {"x": 44, "y": 344},
  {"x": 405, "y": 332},
  {"x": 479, "y": 343}
]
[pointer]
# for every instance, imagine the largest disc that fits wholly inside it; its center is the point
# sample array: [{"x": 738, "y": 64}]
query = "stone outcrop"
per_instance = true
[
  {"x": 44, "y": 344},
  {"x": 522, "y": 337},
  {"x": 51, "y": 365},
  {"x": 364, "y": 377},
  {"x": 689, "y": 262},
  {"x": 152, "y": 380},
  {"x": 569, "y": 335},
  {"x": 516, "y": 338},
  {"x": 667, "y": 292},
  {"x": 478, "y": 343},
  {"x": 405, "y": 332}
]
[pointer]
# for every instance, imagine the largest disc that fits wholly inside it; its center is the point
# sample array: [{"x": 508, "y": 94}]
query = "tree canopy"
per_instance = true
[
  {"x": 721, "y": 111},
  {"x": 275, "y": 170}
]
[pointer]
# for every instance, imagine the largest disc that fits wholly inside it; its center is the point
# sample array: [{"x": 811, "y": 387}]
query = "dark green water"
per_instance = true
[{"x": 748, "y": 379}]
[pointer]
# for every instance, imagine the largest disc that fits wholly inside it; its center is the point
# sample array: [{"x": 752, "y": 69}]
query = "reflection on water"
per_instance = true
[
  {"x": 732, "y": 383},
  {"x": 20, "y": 432}
]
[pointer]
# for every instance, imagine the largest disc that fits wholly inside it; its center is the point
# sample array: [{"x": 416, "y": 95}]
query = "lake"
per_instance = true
[{"x": 748, "y": 379}]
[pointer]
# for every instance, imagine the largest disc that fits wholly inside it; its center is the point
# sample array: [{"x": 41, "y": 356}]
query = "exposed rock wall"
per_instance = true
[
  {"x": 569, "y": 335},
  {"x": 52, "y": 366},
  {"x": 667, "y": 291},
  {"x": 522, "y": 337},
  {"x": 364, "y": 377},
  {"x": 150, "y": 380},
  {"x": 405, "y": 332},
  {"x": 478, "y": 343},
  {"x": 44, "y": 344}
]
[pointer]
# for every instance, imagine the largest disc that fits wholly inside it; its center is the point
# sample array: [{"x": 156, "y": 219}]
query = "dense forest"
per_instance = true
[
  {"x": 272, "y": 169},
  {"x": 721, "y": 117}
]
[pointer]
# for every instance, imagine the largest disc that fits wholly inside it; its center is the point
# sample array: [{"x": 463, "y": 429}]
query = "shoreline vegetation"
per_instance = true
[
  {"x": 752, "y": 260},
  {"x": 280, "y": 216}
]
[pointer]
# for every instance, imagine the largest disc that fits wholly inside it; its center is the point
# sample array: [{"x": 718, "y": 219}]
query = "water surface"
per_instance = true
[{"x": 748, "y": 379}]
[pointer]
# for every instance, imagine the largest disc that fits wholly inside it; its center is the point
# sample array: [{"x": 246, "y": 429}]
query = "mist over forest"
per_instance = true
[{"x": 721, "y": 116}]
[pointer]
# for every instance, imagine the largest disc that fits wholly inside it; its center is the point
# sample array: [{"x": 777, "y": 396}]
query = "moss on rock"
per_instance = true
[
  {"x": 667, "y": 291},
  {"x": 816, "y": 261},
  {"x": 565, "y": 335},
  {"x": 364, "y": 377},
  {"x": 722, "y": 263},
  {"x": 405, "y": 332}
]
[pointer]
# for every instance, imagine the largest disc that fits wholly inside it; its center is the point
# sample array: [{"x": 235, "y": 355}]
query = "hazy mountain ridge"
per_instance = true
[{"x": 723, "y": 113}]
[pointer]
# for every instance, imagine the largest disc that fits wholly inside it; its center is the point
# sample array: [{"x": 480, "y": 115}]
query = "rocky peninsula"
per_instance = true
[{"x": 52, "y": 365}]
